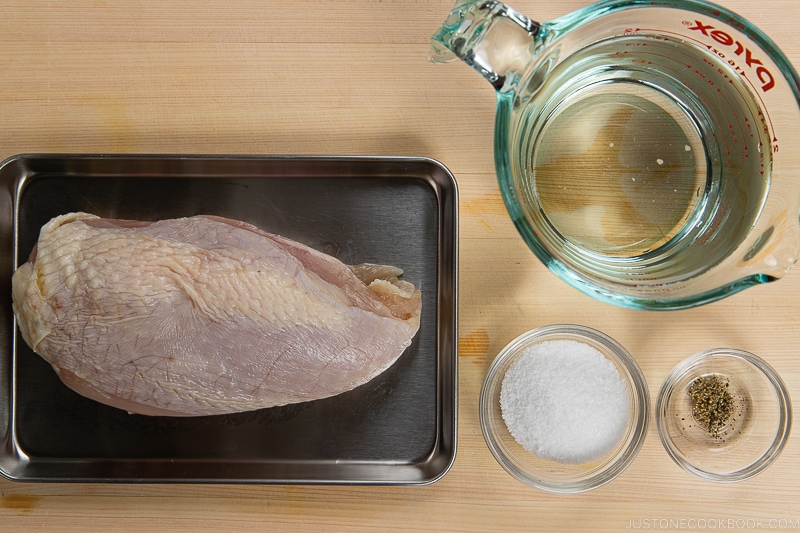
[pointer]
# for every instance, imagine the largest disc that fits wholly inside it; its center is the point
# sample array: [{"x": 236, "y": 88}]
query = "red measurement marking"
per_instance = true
[
  {"x": 763, "y": 106},
  {"x": 728, "y": 149},
  {"x": 670, "y": 58},
  {"x": 738, "y": 69},
  {"x": 735, "y": 113},
  {"x": 681, "y": 35},
  {"x": 722, "y": 213}
]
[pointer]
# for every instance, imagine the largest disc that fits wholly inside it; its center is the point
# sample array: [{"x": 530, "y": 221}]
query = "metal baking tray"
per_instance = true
[{"x": 400, "y": 428}]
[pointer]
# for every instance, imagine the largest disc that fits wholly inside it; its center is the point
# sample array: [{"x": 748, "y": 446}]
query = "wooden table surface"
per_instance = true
[{"x": 351, "y": 77}]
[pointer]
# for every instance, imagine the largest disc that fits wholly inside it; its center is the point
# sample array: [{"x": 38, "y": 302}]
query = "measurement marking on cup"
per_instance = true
[
  {"x": 762, "y": 73},
  {"x": 763, "y": 106},
  {"x": 732, "y": 129},
  {"x": 673, "y": 51},
  {"x": 706, "y": 74},
  {"x": 719, "y": 91},
  {"x": 681, "y": 35},
  {"x": 724, "y": 39}
]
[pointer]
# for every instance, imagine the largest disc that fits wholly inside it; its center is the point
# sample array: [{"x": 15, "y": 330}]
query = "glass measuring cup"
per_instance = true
[{"x": 647, "y": 152}]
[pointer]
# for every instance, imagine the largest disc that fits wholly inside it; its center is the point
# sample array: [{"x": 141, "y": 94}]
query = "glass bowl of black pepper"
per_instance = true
[{"x": 723, "y": 415}]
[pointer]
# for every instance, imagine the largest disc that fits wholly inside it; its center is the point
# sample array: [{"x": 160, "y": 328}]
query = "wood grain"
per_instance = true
[{"x": 351, "y": 77}]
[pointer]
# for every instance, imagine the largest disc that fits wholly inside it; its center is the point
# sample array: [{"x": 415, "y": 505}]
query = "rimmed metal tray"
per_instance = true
[{"x": 400, "y": 428}]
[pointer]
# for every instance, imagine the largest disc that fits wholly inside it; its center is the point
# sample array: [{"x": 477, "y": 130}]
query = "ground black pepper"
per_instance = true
[{"x": 712, "y": 403}]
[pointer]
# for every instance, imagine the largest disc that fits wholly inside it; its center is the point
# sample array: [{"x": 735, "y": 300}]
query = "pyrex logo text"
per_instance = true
[{"x": 763, "y": 74}]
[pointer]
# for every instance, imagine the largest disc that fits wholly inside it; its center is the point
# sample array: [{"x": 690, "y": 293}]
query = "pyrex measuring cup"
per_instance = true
[{"x": 648, "y": 152}]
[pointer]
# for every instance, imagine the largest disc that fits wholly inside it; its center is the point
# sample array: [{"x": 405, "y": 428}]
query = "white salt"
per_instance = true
[{"x": 564, "y": 401}]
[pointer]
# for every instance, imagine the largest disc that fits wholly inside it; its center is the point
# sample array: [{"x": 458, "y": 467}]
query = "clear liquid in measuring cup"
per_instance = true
[{"x": 643, "y": 147}]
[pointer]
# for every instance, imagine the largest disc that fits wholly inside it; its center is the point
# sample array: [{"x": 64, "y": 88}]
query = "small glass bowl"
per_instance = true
[
  {"x": 552, "y": 476},
  {"x": 756, "y": 432}
]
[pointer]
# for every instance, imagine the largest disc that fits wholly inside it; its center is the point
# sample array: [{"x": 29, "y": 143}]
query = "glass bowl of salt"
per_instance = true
[
  {"x": 723, "y": 415},
  {"x": 564, "y": 408}
]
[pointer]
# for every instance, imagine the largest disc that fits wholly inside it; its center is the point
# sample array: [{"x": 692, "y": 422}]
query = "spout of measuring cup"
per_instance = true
[{"x": 489, "y": 36}]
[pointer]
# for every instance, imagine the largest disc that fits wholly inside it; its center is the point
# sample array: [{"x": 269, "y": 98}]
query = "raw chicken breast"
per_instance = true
[{"x": 205, "y": 315}]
